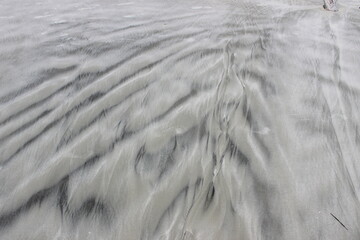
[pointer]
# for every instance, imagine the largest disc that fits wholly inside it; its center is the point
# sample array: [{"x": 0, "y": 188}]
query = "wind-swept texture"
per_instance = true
[{"x": 166, "y": 119}]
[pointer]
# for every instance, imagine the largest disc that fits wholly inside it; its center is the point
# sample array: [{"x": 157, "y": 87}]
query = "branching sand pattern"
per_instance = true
[{"x": 166, "y": 119}]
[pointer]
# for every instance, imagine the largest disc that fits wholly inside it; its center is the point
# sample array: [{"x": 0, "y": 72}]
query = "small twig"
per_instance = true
[{"x": 339, "y": 221}]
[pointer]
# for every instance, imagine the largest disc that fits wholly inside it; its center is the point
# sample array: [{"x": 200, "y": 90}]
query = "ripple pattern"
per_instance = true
[{"x": 167, "y": 119}]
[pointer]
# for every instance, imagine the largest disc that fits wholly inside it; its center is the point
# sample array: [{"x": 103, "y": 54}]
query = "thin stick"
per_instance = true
[{"x": 339, "y": 221}]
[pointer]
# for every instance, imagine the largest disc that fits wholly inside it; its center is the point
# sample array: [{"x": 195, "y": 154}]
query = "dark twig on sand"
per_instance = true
[{"x": 339, "y": 221}]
